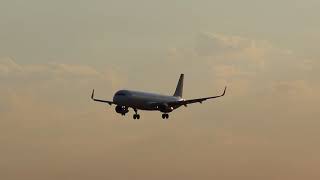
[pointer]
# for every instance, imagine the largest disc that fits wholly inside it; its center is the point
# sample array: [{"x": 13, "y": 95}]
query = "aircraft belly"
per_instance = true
[
  {"x": 134, "y": 102},
  {"x": 141, "y": 102}
]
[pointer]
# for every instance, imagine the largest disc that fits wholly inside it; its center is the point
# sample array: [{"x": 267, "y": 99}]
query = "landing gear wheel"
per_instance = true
[
  {"x": 165, "y": 116},
  {"x": 136, "y": 116}
]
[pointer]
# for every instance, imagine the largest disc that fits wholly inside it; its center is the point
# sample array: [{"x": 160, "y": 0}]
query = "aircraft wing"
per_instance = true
[
  {"x": 199, "y": 100},
  {"x": 99, "y": 100}
]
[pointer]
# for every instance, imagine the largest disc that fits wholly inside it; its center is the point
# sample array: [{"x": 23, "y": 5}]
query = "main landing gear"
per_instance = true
[
  {"x": 136, "y": 115},
  {"x": 165, "y": 116}
]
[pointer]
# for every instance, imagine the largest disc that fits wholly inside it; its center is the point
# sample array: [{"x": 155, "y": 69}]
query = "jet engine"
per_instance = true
[{"x": 121, "y": 110}]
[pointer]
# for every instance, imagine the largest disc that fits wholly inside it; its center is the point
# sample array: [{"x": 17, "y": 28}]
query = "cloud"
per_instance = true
[
  {"x": 237, "y": 61},
  {"x": 232, "y": 48},
  {"x": 245, "y": 64},
  {"x": 11, "y": 71},
  {"x": 307, "y": 65},
  {"x": 46, "y": 86},
  {"x": 208, "y": 44},
  {"x": 41, "y": 81},
  {"x": 228, "y": 71},
  {"x": 293, "y": 89},
  {"x": 8, "y": 67}
]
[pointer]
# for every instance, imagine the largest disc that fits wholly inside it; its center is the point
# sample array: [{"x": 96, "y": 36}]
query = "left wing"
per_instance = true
[
  {"x": 99, "y": 100},
  {"x": 199, "y": 100}
]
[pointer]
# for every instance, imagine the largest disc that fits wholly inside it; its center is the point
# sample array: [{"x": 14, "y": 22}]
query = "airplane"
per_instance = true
[{"x": 137, "y": 100}]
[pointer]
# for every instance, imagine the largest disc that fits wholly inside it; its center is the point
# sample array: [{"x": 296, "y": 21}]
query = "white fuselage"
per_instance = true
[{"x": 141, "y": 100}]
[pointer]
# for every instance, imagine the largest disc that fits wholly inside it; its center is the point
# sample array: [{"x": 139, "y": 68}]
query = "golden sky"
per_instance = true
[{"x": 52, "y": 53}]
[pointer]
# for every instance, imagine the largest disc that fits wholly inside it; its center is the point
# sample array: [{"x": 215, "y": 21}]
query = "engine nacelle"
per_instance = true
[{"x": 121, "y": 109}]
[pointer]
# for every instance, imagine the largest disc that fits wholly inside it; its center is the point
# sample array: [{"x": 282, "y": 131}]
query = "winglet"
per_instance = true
[
  {"x": 92, "y": 95},
  {"x": 224, "y": 92}
]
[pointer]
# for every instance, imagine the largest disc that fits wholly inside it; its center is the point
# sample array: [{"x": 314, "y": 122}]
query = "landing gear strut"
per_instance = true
[
  {"x": 165, "y": 116},
  {"x": 136, "y": 115}
]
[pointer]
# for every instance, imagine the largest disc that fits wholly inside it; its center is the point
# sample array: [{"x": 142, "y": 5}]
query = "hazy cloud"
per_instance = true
[
  {"x": 46, "y": 85},
  {"x": 8, "y": 67},
  {"x": 246, "y": 65},
  {"x": 212, "y": 43},
  {"x": 232, "y": 48}
]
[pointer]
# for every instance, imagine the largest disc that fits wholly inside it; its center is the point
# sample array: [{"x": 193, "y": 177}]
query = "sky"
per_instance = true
[{"x": 53, "y": 53}]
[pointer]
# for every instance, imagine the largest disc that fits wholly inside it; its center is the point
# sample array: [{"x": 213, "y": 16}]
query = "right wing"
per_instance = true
[
  {"x": 99, "y": 100},
  {"x": 199, "y": 100}
]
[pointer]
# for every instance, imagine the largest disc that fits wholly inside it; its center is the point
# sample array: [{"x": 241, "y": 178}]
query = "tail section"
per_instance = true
[{"x": 179, "y": 89}]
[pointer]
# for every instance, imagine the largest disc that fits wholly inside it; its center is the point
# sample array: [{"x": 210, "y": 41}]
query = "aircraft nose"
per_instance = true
[
  {"x": 118, "y": 99},
  {"x": 115, "y": 98}
]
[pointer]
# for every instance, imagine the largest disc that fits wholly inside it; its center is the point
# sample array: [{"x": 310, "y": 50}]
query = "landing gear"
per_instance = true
[
  {"x": 165, "y": 116},
  {"x": 136, "y": 115}
]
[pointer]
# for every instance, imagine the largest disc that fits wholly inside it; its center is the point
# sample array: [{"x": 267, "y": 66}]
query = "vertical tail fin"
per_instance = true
[{"x": 179, "y": 89}]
